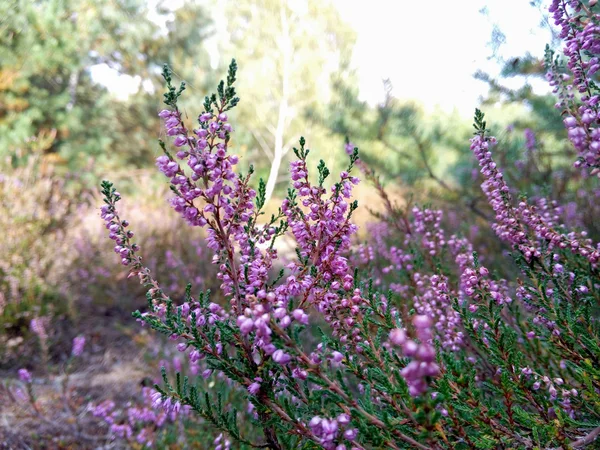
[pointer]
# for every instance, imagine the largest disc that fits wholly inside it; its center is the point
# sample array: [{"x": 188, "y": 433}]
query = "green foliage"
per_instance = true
[
  {"x": 49, "y": 104},
  {"x": 479, "y": 124},
  {"x": 287, "y": 69}
]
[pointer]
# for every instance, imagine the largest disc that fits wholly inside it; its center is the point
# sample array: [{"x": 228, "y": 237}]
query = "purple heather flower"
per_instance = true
[
  {"x": 351, "y": 434},
  {"x": 78, "y": 344},
  {"x": 38, "y": 327},
  {"x": 300, "y": 373},
  {"x": 246, "y": 324},
  {"x": 180, "y": 141},
  {"x": 280, "y": 357},
  {"x": 343, "y": 419},
  {"x": 254, "y": 388},
  {"x": 529, "y": 139},
  {"x": 349, "y": 148},
  {"x": 337, "y": 357},
  {"x": 570, "y": 122},
  {"x": 300, "y": 316},
  {"x": 397, "y": 336},
  {"x": 410, "y": 348},
  {"x": 422, "y": 321},
  {"x": 24, "y": 376}
]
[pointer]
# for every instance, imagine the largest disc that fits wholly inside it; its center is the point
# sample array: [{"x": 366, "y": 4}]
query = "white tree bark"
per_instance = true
[{"x": 278, "y": 151}]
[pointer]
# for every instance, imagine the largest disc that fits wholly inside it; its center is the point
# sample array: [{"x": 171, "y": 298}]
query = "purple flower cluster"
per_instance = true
[
  {"x": 558, "y": 82},
  {"x": 322, "y": 229},
  {"x": 194, "y": 316},
  {"x": 530, "y": 141},
  {"x": 427, "y": 223},
  {"x": 422, "y": 354},
  {"x": 390, "y": 258},
  {"x": 211, "y": 168},
  {"x": 78, "y": 344},
  {"x": 38, "y": 326},
  {"x": 257, "y": 319},
  {"x": 323, "y": 236},
  {"x": 581, "y": 35},
  {"x": 117, "y": 233},
  {"x": 221, "y": 443},
  {"x": 557, "y": 392},
  {"x": 542, "y": 227},
  {"x": 436, "y": 303},
  {"x": 327, "y": 431},
  {"x": 512, "y": 224},
  {"x": 507, "y": 226},
  {"x": 228, "y": 207},
  {"x": 431, "y": 295},
  {"x": 25, "y": 376},
  {"x": 138, "y": 422},
  {"x": 479, "y": 286}
]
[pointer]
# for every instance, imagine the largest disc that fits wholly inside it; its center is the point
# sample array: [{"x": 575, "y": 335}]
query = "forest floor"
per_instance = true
[{"x": 112, "y": 366}]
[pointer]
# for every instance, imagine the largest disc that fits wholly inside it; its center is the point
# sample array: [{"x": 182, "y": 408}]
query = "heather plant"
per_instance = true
[
  {"x": 408, "y": 341},
  {"x": 54, "y": 269},
  {"x": 66, "y": 407},
  {"x": 138, "y": 422},
  {"x": 91, "y": 280},
  {"x": 34, "y": 211},
  {"x": 37, "y": 213}
]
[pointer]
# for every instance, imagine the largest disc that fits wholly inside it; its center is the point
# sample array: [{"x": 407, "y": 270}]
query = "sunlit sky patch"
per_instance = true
[{"x": 430, "y": 49}]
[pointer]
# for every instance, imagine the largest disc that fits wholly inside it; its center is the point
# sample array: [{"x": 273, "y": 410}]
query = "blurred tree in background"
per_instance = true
[
  {"x": 49, "y": 102},
  {"x": 288, "y": 53}
]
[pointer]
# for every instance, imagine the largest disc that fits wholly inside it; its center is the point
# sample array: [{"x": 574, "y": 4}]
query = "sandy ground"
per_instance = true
[{"x": 111, "y": 367}]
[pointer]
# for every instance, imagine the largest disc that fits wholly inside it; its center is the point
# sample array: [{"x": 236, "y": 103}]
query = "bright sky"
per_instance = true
[{"x": 429, "y": 49}]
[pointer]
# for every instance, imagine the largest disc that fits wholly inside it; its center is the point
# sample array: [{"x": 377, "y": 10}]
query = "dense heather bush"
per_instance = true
[
  {"x": 91, "y": 281},
  {"x": 408, "y": 341},
  {"x": 55, "y": 269},
  {"x": 35, "y": 214}
]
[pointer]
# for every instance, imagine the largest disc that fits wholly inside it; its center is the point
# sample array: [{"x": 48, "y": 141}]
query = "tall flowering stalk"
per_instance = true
[
  {"x": 407, "y": 341},
  {"x": 579, "y": 27}
]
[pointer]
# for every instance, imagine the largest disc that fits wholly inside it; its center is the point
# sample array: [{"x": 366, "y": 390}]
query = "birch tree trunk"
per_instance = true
[{"x": 278, "y": 151}]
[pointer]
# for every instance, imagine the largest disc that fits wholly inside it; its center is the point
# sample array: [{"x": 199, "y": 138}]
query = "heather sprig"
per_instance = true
[{"x": 578, "y": 25}]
